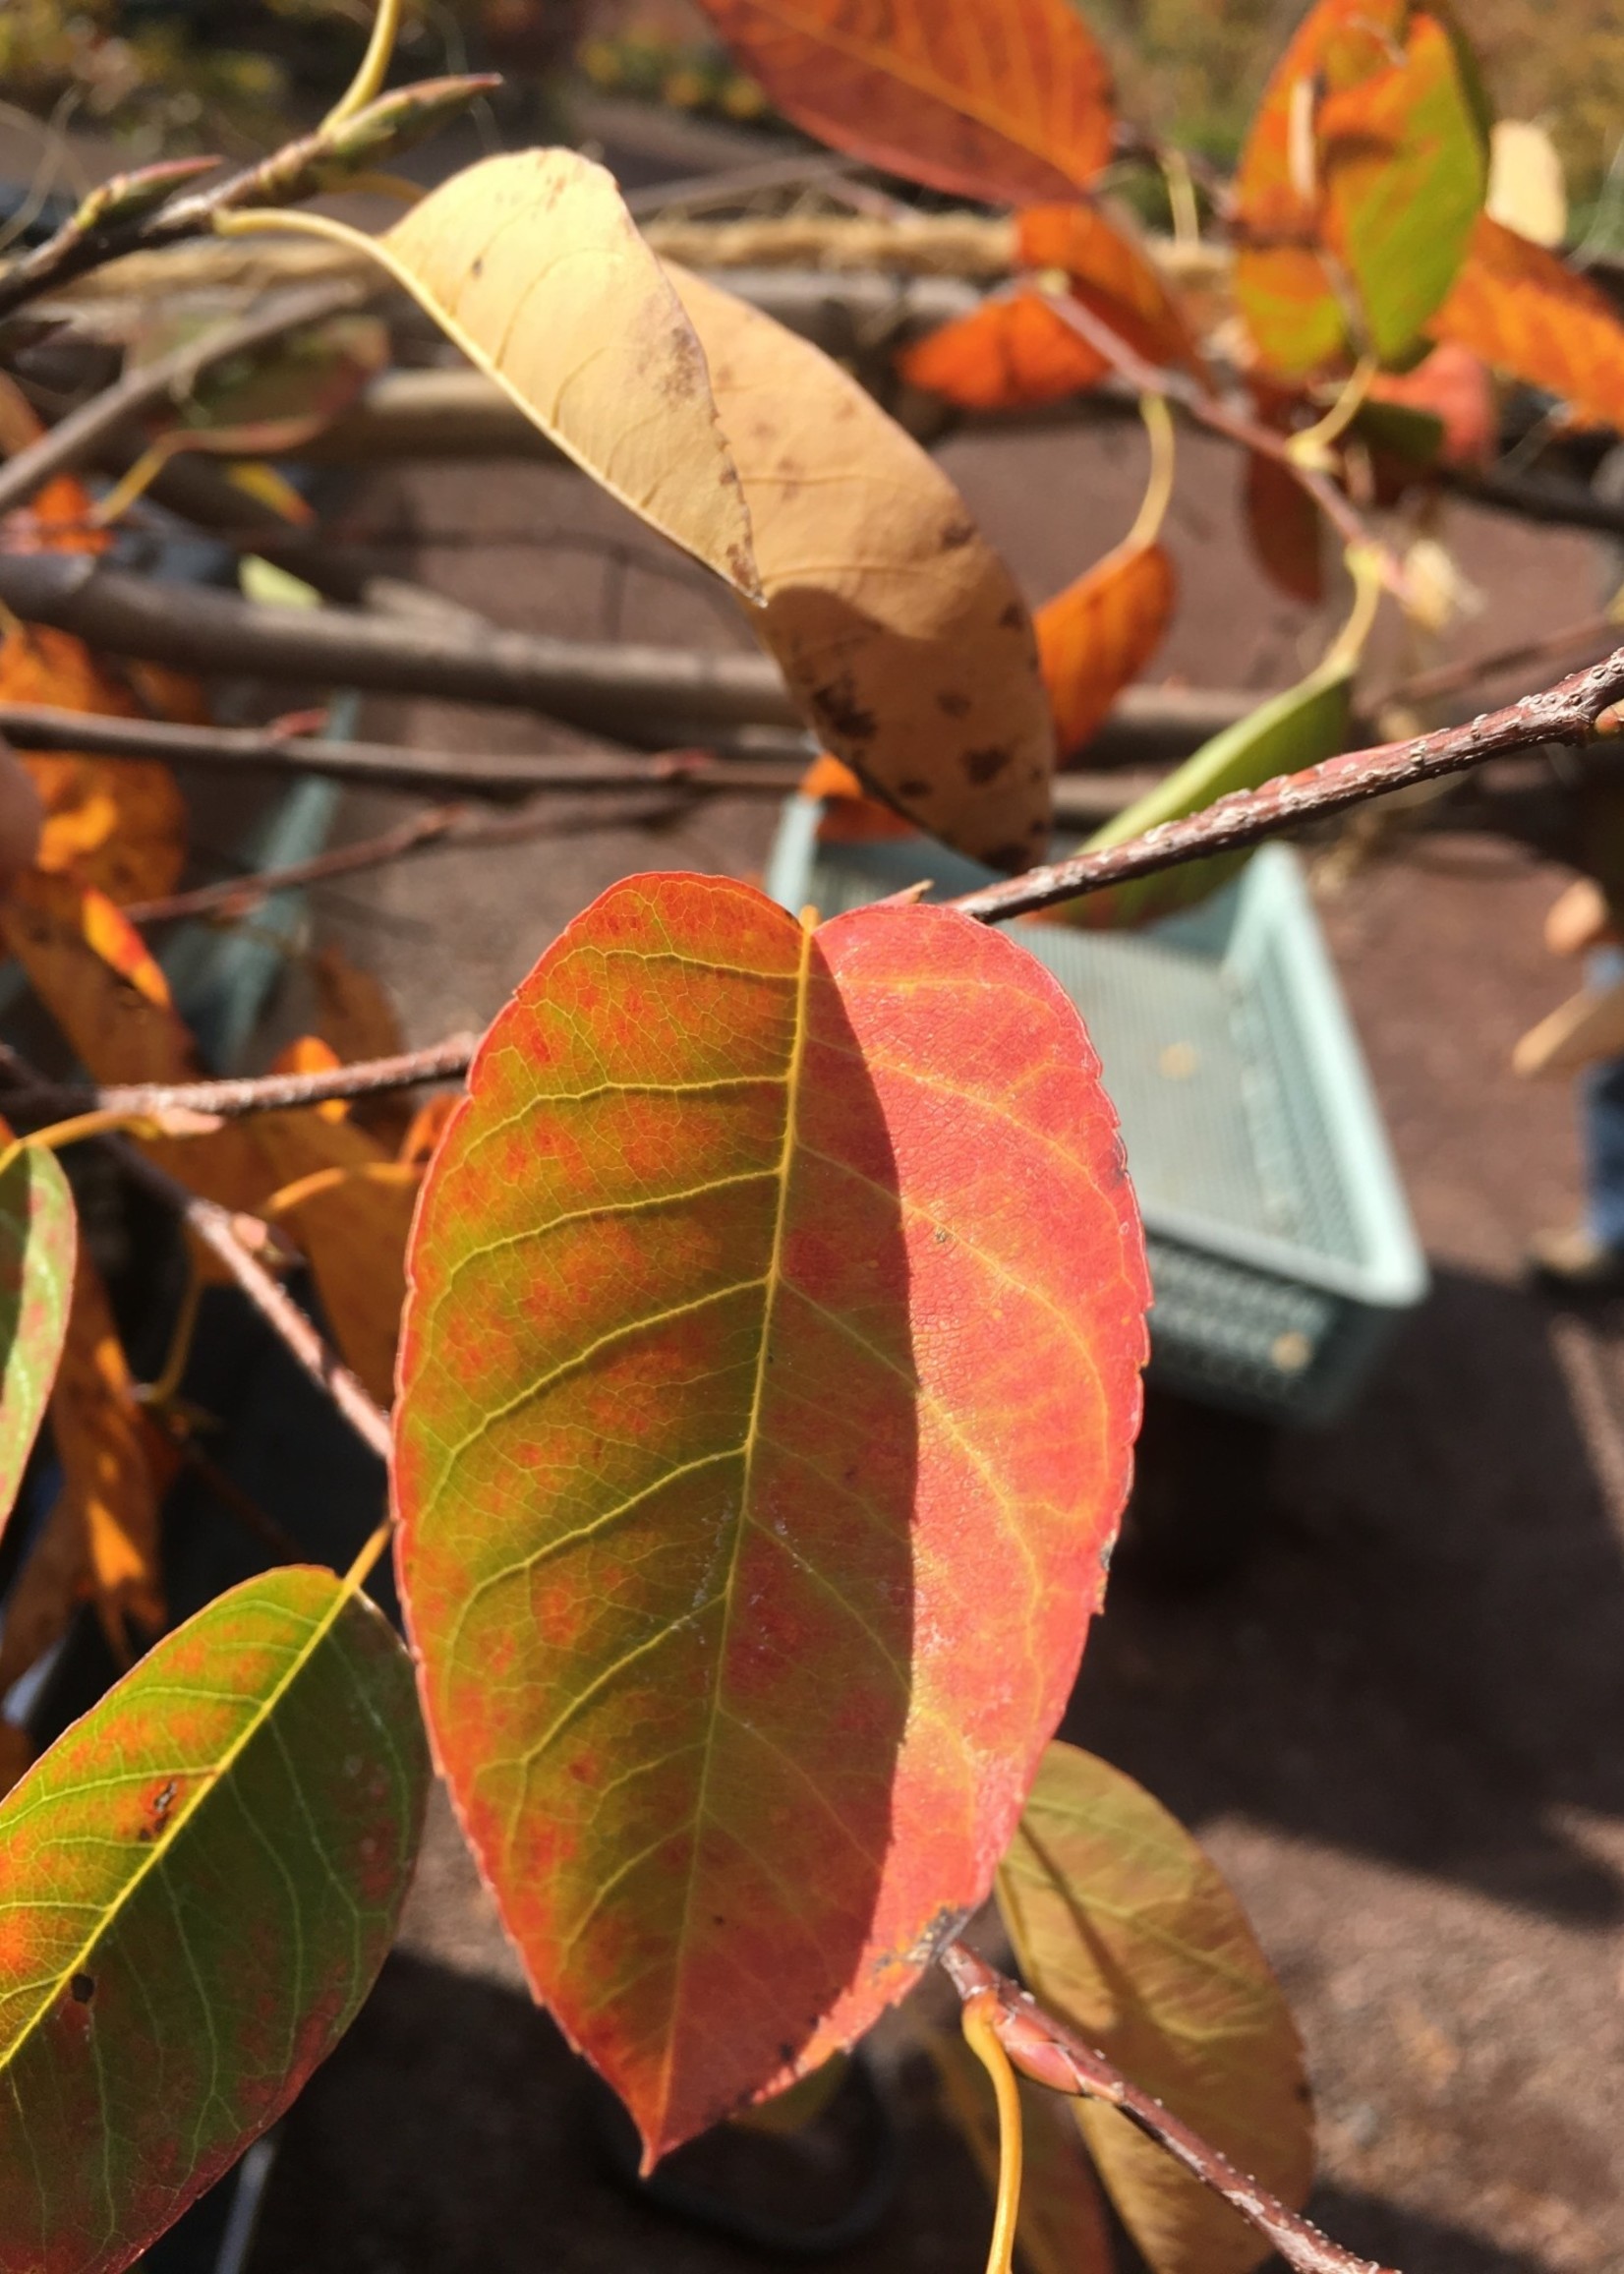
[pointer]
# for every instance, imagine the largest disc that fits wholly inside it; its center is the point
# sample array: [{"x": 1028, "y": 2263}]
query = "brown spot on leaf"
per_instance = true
[
  {"x": 838, "y": 707},
  {"x": 1013, "y": 617},
  {"x": 956, "y": 534},
  {"x": 985, "y": 765},
  {"x": 81, "y": 1988},
  {"x": 914, "y": 787},
  {"x": 1011, "y": 858},
  {"x": 952, "y": 704}
]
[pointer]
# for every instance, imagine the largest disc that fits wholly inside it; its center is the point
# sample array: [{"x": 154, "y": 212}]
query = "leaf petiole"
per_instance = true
[
  {"x": 1158, "y": 491},
  {"x": 981, "y": 2035},
  {"x": 368, "y": 81}
]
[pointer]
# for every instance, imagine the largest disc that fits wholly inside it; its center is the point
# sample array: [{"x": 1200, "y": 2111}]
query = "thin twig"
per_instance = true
[
  {"x": 213, "y": 1226},
  {"x": 30, "y": 1094},
  {"x": 1204, "y": 407},
  {"x": 291, "y": 173},
  {"x": 1566, "y": 713},
  {"x": 76, "y": 438},
  {"x": 1431, "y": 686},
  {"x": 450, "y": 828},
  {"x": 1048, "y": 2051}
]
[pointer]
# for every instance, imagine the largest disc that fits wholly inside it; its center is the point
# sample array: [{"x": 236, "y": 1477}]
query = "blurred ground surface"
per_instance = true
[{"x": 1399, "y": 1730}]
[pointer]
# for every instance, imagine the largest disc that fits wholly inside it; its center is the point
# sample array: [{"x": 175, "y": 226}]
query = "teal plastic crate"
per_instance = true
[{"x": 1282, "y": 1253}]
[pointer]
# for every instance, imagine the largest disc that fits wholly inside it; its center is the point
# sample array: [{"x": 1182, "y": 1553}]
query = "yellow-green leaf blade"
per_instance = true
[
  {"x": 198, "y": 1885},
  {"x": 37, "y": 1277},
  {"x": 1127, "y": 1929}
]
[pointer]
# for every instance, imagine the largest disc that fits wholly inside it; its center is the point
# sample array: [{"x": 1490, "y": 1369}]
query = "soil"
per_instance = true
[{"x": 1397, "y": 1728}]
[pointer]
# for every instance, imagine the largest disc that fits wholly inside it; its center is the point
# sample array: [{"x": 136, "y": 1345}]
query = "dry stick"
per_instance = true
[
  {"x": 1566, "y": 713},
  {"x": 79, "y": 436},
  {"x": 1191, "y": 397},
  {"x": 399, "y": 765},
  {"x": 28, "y": 1094},
  {"x": 213, "y": 1226},
  {"x": 592, "y": 684},
  {"x": 451, "y": 827},
  {"x": 1047, "y": 2050}
]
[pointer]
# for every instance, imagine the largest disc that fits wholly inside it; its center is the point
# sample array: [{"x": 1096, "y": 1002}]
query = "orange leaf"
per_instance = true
[
  {"x": 92, "y": 971},
  {"x": 105, "y": 1445},
  {"x": 308, "y": 1054},
  {"x": 1014, "y": 352},
  {"x": 1112, "y": 274},
  {"x": 357, "y": 1016},
  {"x": 1524, "y": 310},
  {"x": 851, "y": 816},
  {"x": 1099, "y": 633},
  {"x": 119, "y": 825},
  {"x": 1006, "y": 101}
]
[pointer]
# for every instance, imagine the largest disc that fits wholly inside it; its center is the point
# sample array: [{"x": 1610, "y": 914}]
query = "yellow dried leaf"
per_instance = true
[
  {"x": 532, "y": 265},
  {"x": 898, "y": 628},
  {"x": 1126, "y": 1929}
]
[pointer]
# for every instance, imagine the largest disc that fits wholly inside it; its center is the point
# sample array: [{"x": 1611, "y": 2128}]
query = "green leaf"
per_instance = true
[
  {"x": 1306, "y": 724},
  {"x": 38, "y": 1241},
  {"x": 201, "y": 1881},
  {"x": 1126, "y": 1930}
]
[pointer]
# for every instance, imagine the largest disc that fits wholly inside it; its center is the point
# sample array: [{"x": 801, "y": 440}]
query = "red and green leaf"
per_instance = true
[
  {"x": 1006, "y": 101},
  {"x": 1126, "y": 1930},
  {"x": 37, "y": 1241},
  {"x": 199, "y": 1881},
  {"x": 770, "y": 1288},
  {"x": 1404, "y": 161},
  {"x": 1522, "y": 310},
  {"x": 1362, "y": 178},
  {"x": 1098, "y": 636}
]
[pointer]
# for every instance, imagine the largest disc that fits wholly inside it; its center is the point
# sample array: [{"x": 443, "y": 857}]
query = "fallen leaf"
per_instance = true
[
  {"x": 1126, "y": 1929},
  {"x": 38, "y": 1236},
  {"x": 1099, "y": 633},
  {"x": 899, "y": 630},
  {"x": 202, "y": 1879},
  {"x": 532, "y": 265},
  {"x": 1005, "y": 100},
  {"x": 769, "y": 1290},
  {"x": 1524, "y": 310}
]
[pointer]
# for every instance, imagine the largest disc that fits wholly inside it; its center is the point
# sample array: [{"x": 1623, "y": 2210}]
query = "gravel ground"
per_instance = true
[{"x": 1397, "y": 1728}]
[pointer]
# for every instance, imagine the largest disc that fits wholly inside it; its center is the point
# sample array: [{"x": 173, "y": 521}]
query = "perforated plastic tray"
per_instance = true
[{"x": 1281, "y": 1249}]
